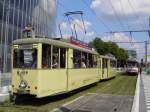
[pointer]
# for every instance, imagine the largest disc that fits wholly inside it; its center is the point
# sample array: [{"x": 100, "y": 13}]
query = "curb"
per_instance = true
[{"x": 135, "y": 106}]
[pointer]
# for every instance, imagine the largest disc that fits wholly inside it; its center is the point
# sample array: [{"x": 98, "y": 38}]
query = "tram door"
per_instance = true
[
  {"x": 104, "y": 68},
  {"x": 100, "y": 67}
]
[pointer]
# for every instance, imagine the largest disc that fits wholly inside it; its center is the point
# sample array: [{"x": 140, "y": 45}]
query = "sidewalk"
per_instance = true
[
  {"x": 145, "y": 90},
  {"x": 142, "y": 95}
]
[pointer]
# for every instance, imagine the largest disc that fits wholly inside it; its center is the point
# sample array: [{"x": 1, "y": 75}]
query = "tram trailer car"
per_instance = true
[{"x": 46, "y": 67}]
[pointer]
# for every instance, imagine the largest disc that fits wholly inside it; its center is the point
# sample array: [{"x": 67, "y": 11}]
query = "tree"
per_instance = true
[
  {"x": 100, "y": 46},
  {"x": 105, "y": 48}
]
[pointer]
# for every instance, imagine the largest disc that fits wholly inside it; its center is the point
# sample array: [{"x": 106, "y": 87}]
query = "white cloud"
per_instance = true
[
  {"x": 120, "y": 37},
  {"x": 66, "y": 29},
  {"x": 80, "y": 25},
  {"x": 135, "y": 11},
  {"x": 117, "y": 37},
  {"x": 64, "y": 25},
  {"x": 90, "y": 34}
]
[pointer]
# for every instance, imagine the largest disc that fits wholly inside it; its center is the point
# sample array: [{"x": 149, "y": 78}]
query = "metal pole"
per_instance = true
[
  {"x": 149, "y": 23},
  {"x": 83, "y": 23},
  {"x": 47, "y": 19},
  {"x": 59, "y": 26},
  {"x": 22, "y": 18},
  {"x": 18, "y": 16},
  {"x": 13, "y": 18},
  {"x": 26, "y": 15},
  {"x": 36, "y": 18},
  {"x": 74, "y": 26},
  {"x": 146, "y": 52},
  {"x": 2, "y": 36},
  {"x": 149, "y": 29},
  {"x": 0, "y": 79},
  {"x": 70, "y": 24}
]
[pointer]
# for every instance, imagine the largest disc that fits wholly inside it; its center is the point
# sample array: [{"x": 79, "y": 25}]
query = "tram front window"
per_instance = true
[{"x": 25, "y": 58}]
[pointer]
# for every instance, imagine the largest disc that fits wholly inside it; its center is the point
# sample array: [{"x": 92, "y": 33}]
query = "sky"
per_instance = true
[{"x": 103, "y": 16}]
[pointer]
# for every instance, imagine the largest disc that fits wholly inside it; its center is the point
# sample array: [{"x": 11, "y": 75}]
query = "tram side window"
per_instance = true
[
  {"x": 55, "y": 57},
  {"x": 46, "y": 56},
  {"x": 25, "y": 58},
  {"x": 84, "y": 59},
  {"x": 100, "y": 63},
  {"x": 77, "y": 58},
  {"x": 17, "y": 60},
  {"x": 113, "y": 64},
  {"x": 62, "y": 57},
  {"x": 90, "y": 60},
  {"x": 94, "y": 61},
  {"x": 104, "y": 63}
]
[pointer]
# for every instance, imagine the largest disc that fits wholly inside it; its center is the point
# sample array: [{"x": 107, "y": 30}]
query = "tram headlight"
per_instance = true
[{"x": 23, "y": 84}]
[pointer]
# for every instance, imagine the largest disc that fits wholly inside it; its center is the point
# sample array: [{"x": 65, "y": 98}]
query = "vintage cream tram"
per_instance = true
[{"x": 45, "y": 67}]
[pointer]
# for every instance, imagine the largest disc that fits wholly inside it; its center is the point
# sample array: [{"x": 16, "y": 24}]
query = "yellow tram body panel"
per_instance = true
[
  {"x": 81, "y": 77},
  {"x": 30, "y": 76},
  {"x": 52, "y": 82}
]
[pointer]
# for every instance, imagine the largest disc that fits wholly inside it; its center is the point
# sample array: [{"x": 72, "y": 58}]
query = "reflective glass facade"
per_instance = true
[{"x": 15, "y": 15}]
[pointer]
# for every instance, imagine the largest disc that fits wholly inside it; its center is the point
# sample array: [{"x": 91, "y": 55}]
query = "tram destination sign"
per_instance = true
[
  {"x": 80, "y": 43},
  {"x": 26, "y": 46}
]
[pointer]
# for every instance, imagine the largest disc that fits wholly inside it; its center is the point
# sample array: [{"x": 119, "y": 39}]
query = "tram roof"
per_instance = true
[
  {"x": 52, "y": 42},
  {"x": 108, "y": 57}
]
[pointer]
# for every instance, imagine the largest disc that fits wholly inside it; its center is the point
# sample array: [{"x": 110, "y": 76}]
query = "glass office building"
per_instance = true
[{"x": 15, "y": 15}]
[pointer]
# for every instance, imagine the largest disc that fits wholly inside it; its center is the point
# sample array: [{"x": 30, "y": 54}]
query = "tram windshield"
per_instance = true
[
  {"x": 132, "y": 64},
  {"x": 25, "y": 58}
]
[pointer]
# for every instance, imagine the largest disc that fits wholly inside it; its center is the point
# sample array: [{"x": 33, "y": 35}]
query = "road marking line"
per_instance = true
[
  {"x": 147, "y": 97},
  {"x": 73, "y": 101},
  {"x": 147, "y": 91},
  {"x": 148, "y": 104}
]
